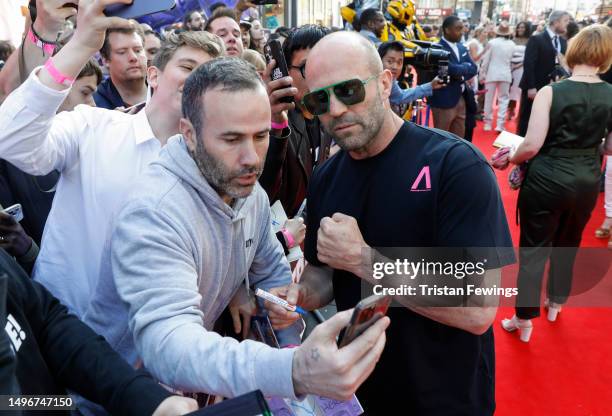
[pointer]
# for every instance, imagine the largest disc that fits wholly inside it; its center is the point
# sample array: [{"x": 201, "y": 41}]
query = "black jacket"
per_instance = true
[
  {"x": 539, "y": 62},
  {"x": 34, "y": 193},
  {"x": 107, "y": 96},
  {"x": 290, "y": 162},
  {"x": 55, "y": 351}
]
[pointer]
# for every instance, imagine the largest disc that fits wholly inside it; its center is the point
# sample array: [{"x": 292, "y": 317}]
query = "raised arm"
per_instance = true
[
  {"x": 51, "y": 16},
  {"x": 33, "y": 138}
]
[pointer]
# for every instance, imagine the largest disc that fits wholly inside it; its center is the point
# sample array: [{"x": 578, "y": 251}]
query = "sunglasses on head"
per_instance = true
[{"x": 348, "y": 92}]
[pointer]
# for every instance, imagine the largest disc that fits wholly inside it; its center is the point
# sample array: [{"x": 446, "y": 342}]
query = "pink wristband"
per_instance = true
[
  {"x": 280, "y": 126},
  {"x": 288, "y": 237},
  {"x": 57, "y": 75},
  {"x": 47, "y": 48}
]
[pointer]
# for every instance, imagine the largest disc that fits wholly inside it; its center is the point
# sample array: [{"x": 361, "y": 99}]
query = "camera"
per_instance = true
[{"x": 430, "y": 57}]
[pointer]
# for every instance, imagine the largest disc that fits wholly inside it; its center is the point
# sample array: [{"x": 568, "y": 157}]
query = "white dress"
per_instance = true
[
  {"x": 479, "y": 48},
  {"x": 517, "y": 74}
]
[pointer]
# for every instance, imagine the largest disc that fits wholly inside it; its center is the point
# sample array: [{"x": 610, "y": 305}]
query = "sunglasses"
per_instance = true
[{"x": 348, "y": 92}]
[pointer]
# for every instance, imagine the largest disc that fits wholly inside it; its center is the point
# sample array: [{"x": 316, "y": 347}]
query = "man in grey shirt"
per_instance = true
[{"x": 195, "y": 228}]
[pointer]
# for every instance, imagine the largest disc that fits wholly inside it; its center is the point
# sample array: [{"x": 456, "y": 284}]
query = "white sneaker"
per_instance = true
[
  {"x": 487, "y": 127},
  {"x": 524, "y": 326},
  {"x": 554, "y": 309}
]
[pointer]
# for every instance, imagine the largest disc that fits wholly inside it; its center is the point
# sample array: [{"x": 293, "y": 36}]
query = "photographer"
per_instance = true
[{"x": 392, "y": 56}]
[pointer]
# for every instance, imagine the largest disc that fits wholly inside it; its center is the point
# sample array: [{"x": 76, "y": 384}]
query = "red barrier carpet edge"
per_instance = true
[{"x": 566, "y": 368}]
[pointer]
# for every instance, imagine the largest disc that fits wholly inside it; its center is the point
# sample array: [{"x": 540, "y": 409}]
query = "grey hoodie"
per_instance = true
[{"x": 174, "y": 260}]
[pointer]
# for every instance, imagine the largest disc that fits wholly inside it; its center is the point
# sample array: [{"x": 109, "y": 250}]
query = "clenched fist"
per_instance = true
[{"x": 340, "y": 244}]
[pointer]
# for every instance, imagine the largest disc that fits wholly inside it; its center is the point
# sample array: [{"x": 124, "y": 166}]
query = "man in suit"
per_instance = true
[
  {"x": 449, "y": 104},
  {"x": 541, "y": 57}
]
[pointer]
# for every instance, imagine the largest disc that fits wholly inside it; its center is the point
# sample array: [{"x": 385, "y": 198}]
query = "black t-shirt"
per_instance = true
[{"x": 428, "y": 188}]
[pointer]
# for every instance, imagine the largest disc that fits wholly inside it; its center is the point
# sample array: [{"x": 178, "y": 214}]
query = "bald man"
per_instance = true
[{"x": 397, "y": 184}]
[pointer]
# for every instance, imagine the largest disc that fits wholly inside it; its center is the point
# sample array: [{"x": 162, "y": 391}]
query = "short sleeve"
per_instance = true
[{"x": 470, "y": 210}]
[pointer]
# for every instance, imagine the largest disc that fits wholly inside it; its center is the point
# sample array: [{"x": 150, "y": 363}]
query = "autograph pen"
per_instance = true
[{"x": 281, "y": 302}]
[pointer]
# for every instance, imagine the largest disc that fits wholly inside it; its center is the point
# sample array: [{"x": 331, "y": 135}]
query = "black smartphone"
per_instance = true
[
  {"x": 139, "y": 8},
  {"x": 366, "y": 313},
  {"x": 262, "y": 2},
  {"x": 274, "y": 50}
]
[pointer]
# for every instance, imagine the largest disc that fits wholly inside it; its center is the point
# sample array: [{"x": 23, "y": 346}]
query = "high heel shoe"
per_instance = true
[
  {"x": 524, "y": 326},
  {"x": 553, "y": 310}
]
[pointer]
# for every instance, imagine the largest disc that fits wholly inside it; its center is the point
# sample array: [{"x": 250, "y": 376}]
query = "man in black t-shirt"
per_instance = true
[{"x": 396, "y": 184}]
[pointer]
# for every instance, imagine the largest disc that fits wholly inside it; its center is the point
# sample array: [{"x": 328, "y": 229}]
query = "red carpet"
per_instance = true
[{"x": 566, "y": 368}]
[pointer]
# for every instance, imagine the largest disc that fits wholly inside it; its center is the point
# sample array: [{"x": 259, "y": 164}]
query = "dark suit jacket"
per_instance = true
[
  {"x": 539, "y": 62},
  {"x": 460, "y": 71},
  {"x": 290, "y": 162},
  {"x": 107, "y": 96}
]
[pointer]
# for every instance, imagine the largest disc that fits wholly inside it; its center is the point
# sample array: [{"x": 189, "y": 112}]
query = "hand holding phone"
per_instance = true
[
  {"x": 366, "y": 313},
  {"x": 321, "y": 368},
  {"x": 13, "y": 238},
  {"x": 273, "y": 52},
  {"x": 14, "y": 211}
]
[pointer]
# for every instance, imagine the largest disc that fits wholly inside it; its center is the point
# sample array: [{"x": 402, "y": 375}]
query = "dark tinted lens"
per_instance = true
[
  {"x": 350, "y": 92},
  {"x": 317, "y": 102}
]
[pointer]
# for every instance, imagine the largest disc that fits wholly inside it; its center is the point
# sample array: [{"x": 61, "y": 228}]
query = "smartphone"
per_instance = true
[
  {"x": 262, "y": 2},
  {"x": 274, "y": 50},
  {"x": 366, "y": 313},
  {"x": 139, "y": 8},
  {"x": 14, "y": 211}
]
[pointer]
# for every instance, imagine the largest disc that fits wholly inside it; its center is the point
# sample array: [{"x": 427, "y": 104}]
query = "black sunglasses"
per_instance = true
[{"x": 348, "y": 92}]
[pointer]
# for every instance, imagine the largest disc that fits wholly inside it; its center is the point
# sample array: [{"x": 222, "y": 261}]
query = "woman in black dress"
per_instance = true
[{"x": 564, "y": 145}]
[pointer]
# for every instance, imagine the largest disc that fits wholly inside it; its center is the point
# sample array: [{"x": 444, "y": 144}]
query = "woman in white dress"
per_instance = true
[
  {"x": 476, "y": 47},
  {"x": 521, "y": 36}
]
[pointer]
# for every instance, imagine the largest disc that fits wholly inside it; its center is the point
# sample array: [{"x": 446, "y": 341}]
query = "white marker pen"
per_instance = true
[{"x": 281, "y": 302}]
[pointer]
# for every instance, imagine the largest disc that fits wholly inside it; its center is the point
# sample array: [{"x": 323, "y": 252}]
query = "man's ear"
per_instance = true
[
  {"x": 153, "y": 74},
  {"x": 188, "y": 132},
  {"x": 386, "y": 78}
]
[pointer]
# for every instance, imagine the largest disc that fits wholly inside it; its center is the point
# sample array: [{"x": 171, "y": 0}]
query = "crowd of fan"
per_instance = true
[{"x": 147, "y": 185}]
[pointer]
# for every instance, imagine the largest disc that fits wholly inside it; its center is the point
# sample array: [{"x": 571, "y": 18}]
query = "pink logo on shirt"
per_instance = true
[{"x": 424, "y": 173}]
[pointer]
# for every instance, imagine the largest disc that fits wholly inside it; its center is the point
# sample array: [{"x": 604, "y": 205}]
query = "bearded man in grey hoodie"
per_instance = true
[{"x": 195, "y": 228}]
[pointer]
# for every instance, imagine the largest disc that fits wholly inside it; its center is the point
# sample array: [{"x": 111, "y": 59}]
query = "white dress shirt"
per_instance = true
[
  {"x": 99, "y": 153},
  {"x": 552, "y": 35},
  {"x": 454, "y": 47}
]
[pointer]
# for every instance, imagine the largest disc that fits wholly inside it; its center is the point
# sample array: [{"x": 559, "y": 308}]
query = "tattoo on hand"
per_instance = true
[{"x": 314, "y": 354}]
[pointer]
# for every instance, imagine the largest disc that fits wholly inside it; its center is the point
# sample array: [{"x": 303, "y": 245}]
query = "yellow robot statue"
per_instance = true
[{"x": 403, "y": 26}]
